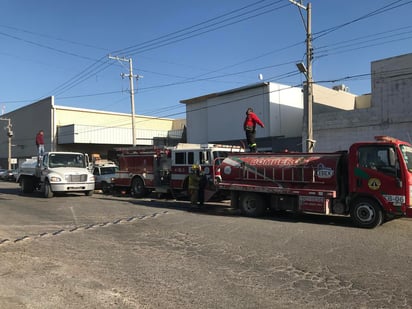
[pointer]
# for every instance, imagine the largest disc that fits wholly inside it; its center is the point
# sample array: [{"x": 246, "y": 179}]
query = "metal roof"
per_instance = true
[{"x": 218, "y": 94}]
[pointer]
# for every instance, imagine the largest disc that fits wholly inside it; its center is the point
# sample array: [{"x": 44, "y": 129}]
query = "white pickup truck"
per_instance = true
[{"x": 56, "y": 172}]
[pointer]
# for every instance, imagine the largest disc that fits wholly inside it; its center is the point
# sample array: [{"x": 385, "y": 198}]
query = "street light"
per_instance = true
[{"x": 302, "y": 68}]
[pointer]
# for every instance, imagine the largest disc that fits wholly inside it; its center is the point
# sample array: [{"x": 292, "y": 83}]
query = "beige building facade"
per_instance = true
[
  {"x": 75, "y": 129},
  {"x": 386, "y": 111}
]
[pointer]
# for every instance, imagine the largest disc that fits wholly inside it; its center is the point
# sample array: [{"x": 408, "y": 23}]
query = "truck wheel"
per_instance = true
[
  {"x": 366, "y": 213},
  {"x": 89, "y": 193},
  {"x": 252, "y": 204},
  {"x": 137, "y": 189},
  {"x": 48, "y": 193},
  {"x": 105, "y": 187},
  {"x": 27, "y": 185}
]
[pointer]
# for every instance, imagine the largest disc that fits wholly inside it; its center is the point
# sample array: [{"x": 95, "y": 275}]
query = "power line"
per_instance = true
[
  {"x": 169, "y": 38},
  {"x": 99, "y": 66},
  {"x": 383, "y": 9},
  {"x": 404, "y": 72},
  {"x": 135, "y": 48},
  {"x": 96, "y": 67},
  {"x": 45, "y": 46},
  {"x": 366, "y": 39},
  {"x": 53, "y": 38},
  {"x": 203, "y": 27}
]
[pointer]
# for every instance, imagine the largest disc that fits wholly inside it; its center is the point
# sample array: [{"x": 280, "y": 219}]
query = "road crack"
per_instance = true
[{"x": 83, "y": 227}]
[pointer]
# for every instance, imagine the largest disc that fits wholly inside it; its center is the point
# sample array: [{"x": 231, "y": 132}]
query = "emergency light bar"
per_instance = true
[{"x": 385, "y": 138}]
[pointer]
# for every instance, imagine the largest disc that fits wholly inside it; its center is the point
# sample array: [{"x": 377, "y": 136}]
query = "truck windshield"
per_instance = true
[
  {"x": 407, "y": 155},
  {"x": 66, "y": 160}
]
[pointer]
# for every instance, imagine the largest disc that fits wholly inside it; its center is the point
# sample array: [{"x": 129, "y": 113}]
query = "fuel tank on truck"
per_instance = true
[
  {"x": 295, "y": 170},
  {"x": 29, "y": 166}
]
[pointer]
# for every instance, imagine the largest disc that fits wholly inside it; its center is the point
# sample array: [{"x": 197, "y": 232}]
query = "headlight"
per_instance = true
[
  {"x": 55, "y": 179},
  {"x": 92, "y": 178}
]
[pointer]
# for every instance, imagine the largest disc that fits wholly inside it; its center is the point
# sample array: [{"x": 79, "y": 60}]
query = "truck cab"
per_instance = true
[
  {"x": 380, "y": 175},
  {"x": 56, "y": 172},
  {"x": 104, "y": 172}
]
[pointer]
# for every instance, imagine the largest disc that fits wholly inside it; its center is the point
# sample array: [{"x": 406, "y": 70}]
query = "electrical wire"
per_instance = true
[
  {"x": 53, "y": 38},
  {"x": 179, "y": 35},
  {"x": 383, "y": 9},
  {"x": 169, "y": 38},
  {"x": 100, "y": 65}
]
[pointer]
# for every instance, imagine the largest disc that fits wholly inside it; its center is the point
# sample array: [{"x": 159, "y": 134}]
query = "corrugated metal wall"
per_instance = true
[{"x": 84, "y": 134}]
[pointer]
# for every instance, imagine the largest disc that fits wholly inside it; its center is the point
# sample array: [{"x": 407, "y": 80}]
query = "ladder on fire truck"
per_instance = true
[{"x": 290, "y": 174}]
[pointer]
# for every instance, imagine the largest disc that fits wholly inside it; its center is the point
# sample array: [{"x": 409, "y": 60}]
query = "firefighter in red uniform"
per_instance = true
[{"x": 250, "y": 128}]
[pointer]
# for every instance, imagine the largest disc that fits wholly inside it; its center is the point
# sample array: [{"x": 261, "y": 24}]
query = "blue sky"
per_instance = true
[{"x": 186, "y": 48}]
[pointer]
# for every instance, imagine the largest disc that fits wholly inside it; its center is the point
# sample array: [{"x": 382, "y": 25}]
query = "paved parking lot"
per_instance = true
[{"x": 118, "y": 252}]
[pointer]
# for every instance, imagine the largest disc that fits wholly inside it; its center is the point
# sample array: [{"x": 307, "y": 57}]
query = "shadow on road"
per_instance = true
[
  {"x": 210, "y": 208},
  {"x": 224, "y": 209}
]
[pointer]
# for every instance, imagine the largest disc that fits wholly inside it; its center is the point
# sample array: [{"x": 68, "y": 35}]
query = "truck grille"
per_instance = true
[{"x": 76, "y": 178}]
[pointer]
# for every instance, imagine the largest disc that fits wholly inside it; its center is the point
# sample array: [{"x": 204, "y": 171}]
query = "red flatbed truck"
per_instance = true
[{"x": 370, "y": 182}]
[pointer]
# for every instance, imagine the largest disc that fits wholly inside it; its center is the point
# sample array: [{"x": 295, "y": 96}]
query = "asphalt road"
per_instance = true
[{"x": 118, "y": 252}]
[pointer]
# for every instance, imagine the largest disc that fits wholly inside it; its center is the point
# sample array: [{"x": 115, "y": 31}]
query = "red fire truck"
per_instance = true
[
  {"x": 166, "y": 169},
  {"x": 371, "y": 182}
]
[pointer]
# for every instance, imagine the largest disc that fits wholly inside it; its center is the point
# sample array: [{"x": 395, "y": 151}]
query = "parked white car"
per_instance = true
[{"x": 104, "y": 172}]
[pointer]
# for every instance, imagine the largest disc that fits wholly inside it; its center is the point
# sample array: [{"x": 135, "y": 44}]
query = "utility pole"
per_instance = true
[
  {"x": 131, "y": 76},
  {"x": 307, "y": 70},
  {"x": 9, "y": 135}
]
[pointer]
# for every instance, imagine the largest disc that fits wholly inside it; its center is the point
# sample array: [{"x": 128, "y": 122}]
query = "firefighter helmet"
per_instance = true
[{"x": 196, "y": 168}]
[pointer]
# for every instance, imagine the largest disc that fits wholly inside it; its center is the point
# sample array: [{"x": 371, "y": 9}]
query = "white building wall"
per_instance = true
[
  {"x": 84, "y": 134},
  {"x": 285, "y": 110},
  {"x": 26, "y": 123},
  {"x": 220, "y": 116},
  {"x": 83, "y": 129},
  {"x": 197, "y": 122}
]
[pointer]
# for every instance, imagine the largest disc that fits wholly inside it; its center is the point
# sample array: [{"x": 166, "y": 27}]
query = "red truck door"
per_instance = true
[{"x": 374, "y": 172}]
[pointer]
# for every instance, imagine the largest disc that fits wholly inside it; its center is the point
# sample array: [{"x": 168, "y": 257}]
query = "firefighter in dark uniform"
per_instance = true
[{"x": 194, "y": 178}]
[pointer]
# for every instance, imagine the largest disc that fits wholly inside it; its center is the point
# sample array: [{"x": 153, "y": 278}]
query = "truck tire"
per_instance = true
[
  {"x": 89, "y": 193},
  {"x": 366, "y": 213},
  {"x": 105, "y": 187},
  {"x": 48, "y": 193},
  {"x": 27, "y": 185},
  {"x": 252, "y": 204},
  {"x": 137, "y": 188}
]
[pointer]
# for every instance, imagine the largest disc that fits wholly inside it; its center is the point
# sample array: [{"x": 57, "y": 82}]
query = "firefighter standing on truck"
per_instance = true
[
  {"x": 249, "y": 126},
  {"x": 194, "y": 179}
]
